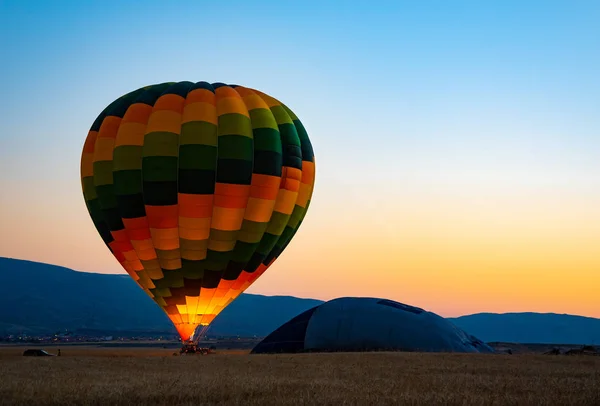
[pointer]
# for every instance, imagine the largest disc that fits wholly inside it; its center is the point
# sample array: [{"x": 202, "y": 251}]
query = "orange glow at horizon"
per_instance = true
[{"x": 453, "y": 256}]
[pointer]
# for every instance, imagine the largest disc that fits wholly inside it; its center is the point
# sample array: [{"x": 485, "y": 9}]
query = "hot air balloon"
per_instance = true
[{"x": 196, "y": 189}]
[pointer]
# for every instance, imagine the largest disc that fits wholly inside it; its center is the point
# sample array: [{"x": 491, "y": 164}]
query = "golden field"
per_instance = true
[{"x": 149, "y": 376}]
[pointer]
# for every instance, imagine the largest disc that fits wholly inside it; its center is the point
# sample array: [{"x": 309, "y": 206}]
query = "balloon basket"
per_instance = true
[{"x": 192, "y": 348}]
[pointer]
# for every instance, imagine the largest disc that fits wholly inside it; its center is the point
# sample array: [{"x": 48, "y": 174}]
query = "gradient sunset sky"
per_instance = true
[{"x": 457, "y": 142}]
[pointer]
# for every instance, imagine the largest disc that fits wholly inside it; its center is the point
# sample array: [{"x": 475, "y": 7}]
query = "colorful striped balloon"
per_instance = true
[{"x": 196, "y": 188}]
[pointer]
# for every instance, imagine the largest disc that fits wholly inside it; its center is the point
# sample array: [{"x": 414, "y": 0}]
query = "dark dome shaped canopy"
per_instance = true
[{"x": 369, "y": 324}]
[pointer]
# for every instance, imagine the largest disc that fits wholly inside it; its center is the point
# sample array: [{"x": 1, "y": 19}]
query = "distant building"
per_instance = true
[{"x": 369, "y": 324}]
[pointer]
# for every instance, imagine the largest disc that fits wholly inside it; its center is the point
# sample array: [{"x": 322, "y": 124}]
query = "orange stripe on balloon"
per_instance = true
[
  {"x": 267, "y": 193},
  {"x": 291, "y": 184},
  {"x": 194, "y": 234},
  {"x": 138, "y": 113},
  {"x": 170, "y": 264},
  {"x": 140, "y": 237},
  {"x": 308, "y": 172},
  {"x": 194, "y": 223},
  {"x": 163, "y": 234},
  {"x": 130, "y": 255},
  {"x": 230, "y": 102},
  {"x": 259, "y": 271},
  {"x": 252, "y": 100},
  {"x": 207, "y": 319},
  {"x": 136, "y": 264},
  {"x": 271, "y": 101},
  {"x": 123, "y": 246},
  {"x": 225, "y": 284},
  {"x": 109, "y": 127},
  {"x": 162, "y": 216},
  {"x": 232, "y": 202},
  {"x": 117, "y": 253},
  {"x": 291, "y": 173},
  {"x": 87, "y": 164},
  {"x": 286, "y": 201},
  {"x": 226, "y": 91},
  {"x": 265, "y": 187},
  {"x": 244, "y": 91},
  {"x": 193, "y": 255},
  {"x": 172, "y": 102},
  {"x": 268, "y": 181},
  {"x": 147, "y": 254},
  {"x": 185, "y": 330},
  {"x": 139, "y": 233},
  {"x": 104, "y": 149},
  {"x": 259, "y": 210},
  {"x": 228, "y": 189},
  {"x": 87, "y": 155},
  {"x": 303, "y": 195},
  {"x": 195, "y": 206},
  {"x": 200, "y": 112},
  {"x": 240, "y": 280},
  {"x": 164, "y": 120},
  {"x": 206, "y": 296},
  {"x": 90, "y": 141},
  {"x": 227, "y": 219},
  {"x": 120, "y": 235},
  {"x": 131, "y": 134},
  {"x": 200, "y": 95}
]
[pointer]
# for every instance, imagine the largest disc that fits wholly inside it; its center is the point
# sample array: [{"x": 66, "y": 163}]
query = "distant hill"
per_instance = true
[
  {"x": 37, "y": 298},
  {"x": 544, "y": 328}
]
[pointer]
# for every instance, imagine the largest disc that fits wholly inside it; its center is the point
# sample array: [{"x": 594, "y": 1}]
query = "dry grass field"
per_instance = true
[{"x": 115, "y": 376}]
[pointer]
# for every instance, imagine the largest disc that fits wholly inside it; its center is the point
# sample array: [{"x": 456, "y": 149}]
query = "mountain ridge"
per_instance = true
[{"x": 48, "y": 298}]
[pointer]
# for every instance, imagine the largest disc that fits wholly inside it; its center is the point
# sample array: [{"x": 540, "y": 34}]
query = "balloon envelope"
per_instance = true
[{"x": 196, "y": 188}]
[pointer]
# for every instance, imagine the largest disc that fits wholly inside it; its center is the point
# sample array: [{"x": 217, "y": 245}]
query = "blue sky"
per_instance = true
[
  {"x": 407, "y": 71},
  {"x": 440, "y": 107}
]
